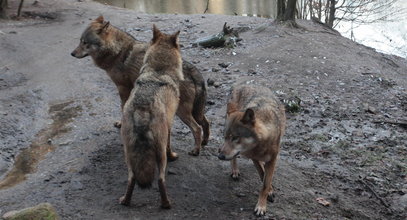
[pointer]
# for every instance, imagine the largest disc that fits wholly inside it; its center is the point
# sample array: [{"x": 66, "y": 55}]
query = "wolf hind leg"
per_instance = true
[
  {"x": 125, "y": 200},
  {"x": 171, "y": 155},
  {"x": 196, "y": 129},
  {"x": 203, "y": 121},
  {"x": 162, "y": 164}
]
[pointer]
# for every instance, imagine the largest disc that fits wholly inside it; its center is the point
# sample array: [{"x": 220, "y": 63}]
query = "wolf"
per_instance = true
[
  {"x": 148, "y": 115},
  {"x": 121, "y": 56},
  {"x": 255, "y": 124}
]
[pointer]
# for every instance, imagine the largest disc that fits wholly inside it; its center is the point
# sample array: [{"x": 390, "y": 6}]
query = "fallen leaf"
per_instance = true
[{"x": 323, "y": 201}]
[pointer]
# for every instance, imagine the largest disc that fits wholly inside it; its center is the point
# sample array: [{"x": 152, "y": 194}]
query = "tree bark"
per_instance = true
[
  {"x": 332, "y": 11},
  {"x": 319, "y": 10},
  {"x": 3, "y": 7},
  {"x": 289, "y": 14},
  {"x": 280, "y": 9}
]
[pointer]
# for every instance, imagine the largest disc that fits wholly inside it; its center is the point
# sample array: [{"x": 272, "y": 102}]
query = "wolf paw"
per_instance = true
[
  {"x": 204, "y": 142},
  {"x": 117, "y": 124},
  {"x": 194, "y": 152},
  {"x": 124, "y": 201},
  {"x": 235, "y": 175},
  {"x": 165, "y": 205},
  {"x": 260, "y": 210},
  {"x": 172, "y": 156}
]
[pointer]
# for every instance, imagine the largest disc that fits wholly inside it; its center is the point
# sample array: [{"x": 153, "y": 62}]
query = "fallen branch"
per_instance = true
[
  {"x": 402, "y": 124},
  {"x": 227, "y": 37},
  {"x": 382, "y": 201}
]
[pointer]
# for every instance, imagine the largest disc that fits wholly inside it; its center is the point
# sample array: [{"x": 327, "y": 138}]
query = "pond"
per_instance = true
[
  {"x": 386, "y": 37},
  {"x": 258, "y": 8}
]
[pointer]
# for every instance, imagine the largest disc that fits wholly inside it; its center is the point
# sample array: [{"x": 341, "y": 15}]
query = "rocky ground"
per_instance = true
[{"x": 346, "y": 146}]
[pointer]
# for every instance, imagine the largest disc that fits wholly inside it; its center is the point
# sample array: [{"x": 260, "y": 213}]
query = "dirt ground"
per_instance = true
[{"x": 57, "y": 116}]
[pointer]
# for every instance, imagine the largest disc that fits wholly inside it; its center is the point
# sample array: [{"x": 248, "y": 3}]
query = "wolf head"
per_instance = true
[
  {"x": 92, "y": 39},
  {"x": 164, "y": 53},
  {"x": 240, "y": 134}
]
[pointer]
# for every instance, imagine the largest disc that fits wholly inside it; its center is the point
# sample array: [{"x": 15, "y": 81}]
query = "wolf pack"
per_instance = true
[{"x": 155, "y": 83}]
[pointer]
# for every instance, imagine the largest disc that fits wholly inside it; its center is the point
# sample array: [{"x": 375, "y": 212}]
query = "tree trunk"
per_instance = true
[
  {"x": 332, "y": 11},
  {"x": 320, "y": 10},
  {"x": 280, "y": 10},
  {"x": 311, "y": 12},
  {"x": 289, "y": 14},
  {"x": 3, "y": 7},
  {"x": 20, "y": 6}
]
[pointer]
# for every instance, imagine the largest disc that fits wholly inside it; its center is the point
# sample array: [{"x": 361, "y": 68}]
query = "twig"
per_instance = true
[
  {"x": 207, "y": 7},
  {"x": 401, "y": 124},
  {"x": 361, "y": 180}
]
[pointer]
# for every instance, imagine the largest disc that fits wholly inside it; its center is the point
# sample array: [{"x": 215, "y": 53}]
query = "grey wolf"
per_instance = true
[
  {"x": 148, "y": 115},
  {"x": 121, "y": 56},
  {"x": 255, "y": 123}
]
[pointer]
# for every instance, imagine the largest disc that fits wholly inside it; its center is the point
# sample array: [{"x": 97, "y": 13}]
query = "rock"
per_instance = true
[
  {"x": 215, "y": 70},
  {"x": 224, "y": 65},
  {"x": 42, "y": 211},
  {"x": 240, "y": 195},
  {"x": 217, "y": 84},
  {"x": 251, "y": 72},
  {"x": 369, "y": 109},
  {"x": 210, "y": 102},
  {"x": 210, "y": 82}
]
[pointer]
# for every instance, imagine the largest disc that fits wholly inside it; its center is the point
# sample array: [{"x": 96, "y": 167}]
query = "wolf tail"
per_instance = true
[{"x": 144, "y": 162}]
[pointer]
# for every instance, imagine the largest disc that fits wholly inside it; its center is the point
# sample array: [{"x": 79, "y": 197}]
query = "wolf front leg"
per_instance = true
[
  {"x": 124, "y": 93},
  {"x": 235, "y": 170},
  {"x": 260, "y": 170},
  {"x": 267, "y": 189}
]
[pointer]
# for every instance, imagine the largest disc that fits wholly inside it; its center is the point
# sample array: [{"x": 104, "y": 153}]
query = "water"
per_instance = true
[
  {"x": 26, "y": 162},
  {"x": 386, "y": 37},
  {"x": 257, "y": 8}
]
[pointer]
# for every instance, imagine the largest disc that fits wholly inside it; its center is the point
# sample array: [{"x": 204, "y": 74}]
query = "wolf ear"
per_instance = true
[
  {"x": 104, "y": 27},
  {"x": 174, "y": 38},
  {"x": 248, "y": 117},
  {"x": 232, "y": 107},
  {"x": 156, "y": 34},
  {"x": 100, "y": 19}
]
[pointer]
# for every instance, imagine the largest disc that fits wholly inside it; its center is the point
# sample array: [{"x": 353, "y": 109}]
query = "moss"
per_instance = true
[{"x": 43, "y": 211}]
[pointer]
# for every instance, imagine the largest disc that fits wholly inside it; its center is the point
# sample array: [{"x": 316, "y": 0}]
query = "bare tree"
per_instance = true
[
  {"x": 332, "y": 12},
  {"x": 286, "y": 11}
]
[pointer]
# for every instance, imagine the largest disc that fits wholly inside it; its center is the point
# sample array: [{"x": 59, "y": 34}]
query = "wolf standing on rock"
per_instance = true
[
  {"x": 255, "y": 124},
  {"x": 121, "y": 56},
  {"x": 148, "y": 115}
]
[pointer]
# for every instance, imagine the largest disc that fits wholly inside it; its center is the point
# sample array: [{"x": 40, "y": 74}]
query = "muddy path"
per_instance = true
[{"x": 57, "y": 116}]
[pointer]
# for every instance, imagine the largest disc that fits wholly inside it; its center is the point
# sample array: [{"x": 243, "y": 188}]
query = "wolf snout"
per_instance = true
[
  {"x": 221, "y": 156},
  {"x": 73, "y": 54}
]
